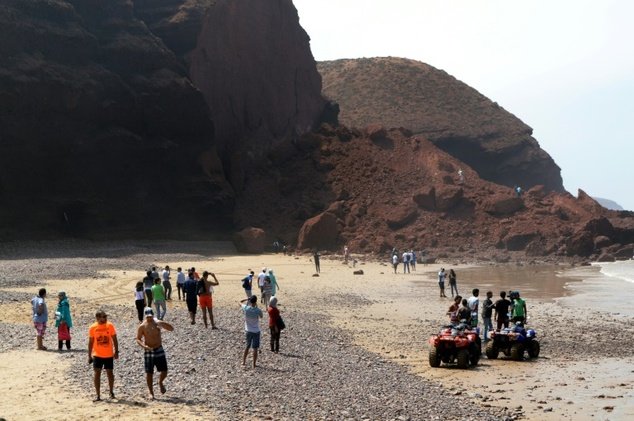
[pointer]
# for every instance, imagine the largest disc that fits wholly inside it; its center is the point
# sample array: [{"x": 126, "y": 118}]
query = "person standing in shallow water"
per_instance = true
[
  {"x": 63, "y": 321},
  {"x": 40, "y": 317},
  {"x": 148, "y": 337}
]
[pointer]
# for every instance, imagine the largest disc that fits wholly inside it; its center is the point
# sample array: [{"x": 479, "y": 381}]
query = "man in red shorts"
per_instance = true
[{"x": 205, "y": 296}]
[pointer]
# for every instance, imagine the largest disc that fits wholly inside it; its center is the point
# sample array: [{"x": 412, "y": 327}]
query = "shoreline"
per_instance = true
[{"x": 389, "y": 316}]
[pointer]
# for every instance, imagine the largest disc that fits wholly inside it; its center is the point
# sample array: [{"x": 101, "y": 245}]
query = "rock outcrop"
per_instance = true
[{"x": 405, "y": 93}]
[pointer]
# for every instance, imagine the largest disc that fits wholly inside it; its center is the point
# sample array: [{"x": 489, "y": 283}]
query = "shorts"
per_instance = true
[
  {"x": 98, "y": 363},
  {"x": 253, "y": 339},
  {"x": 205, "y": 301},
  {"x": 155, "y": 358},
  {"x": 40, "y": 328},
  {"x": 441, "y": 285},
  {"x": 191, "y": 306}
]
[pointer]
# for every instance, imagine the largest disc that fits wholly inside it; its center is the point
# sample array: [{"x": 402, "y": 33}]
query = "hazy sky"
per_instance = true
[{"x": 565, "y": 68}]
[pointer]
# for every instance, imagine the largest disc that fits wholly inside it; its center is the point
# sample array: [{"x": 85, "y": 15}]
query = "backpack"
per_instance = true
[
  {"x": 280, "y": 323},
  {"x": 246, "y": 282}
]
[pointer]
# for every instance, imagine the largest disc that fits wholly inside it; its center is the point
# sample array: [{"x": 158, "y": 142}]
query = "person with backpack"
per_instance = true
[
  {"x": 40, "y": 317},
  {"x": 274, "y": 324},
  {"x": 247, "y": 284}
]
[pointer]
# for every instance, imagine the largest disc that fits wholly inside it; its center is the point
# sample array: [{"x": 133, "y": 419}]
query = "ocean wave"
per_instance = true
[{"x": 623, "y": 270}]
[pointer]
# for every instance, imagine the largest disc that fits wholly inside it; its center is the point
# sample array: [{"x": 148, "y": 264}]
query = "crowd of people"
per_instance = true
[{"x": 195, "y": 290}]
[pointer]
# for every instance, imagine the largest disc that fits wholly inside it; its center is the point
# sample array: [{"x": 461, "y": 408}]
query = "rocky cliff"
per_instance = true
[{"x": 397, "y": 92}]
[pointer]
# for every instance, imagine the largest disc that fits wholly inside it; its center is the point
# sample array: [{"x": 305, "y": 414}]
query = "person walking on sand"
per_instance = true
[
  {"x": 40, "y": 317},
  {"x": 267, "y": 291},
  {"x": 474, "y": 304},
  {"x": 63, "y": 321},
  {"x": 453, "y": 310},
  {"x": 148, "y": 283},
  {"x": 406, "y": 262},
  {"x": 159, "y": 299},
  {"x": 316, "y": 259},
  {"x": 261, "y": 278},
  {"x": 412, "y": 261},
  {"x": 274, "y": 285},
  {"x": 346, "y": 254},
  {"x": 252, "y": 316},
  {"x": 395, "y": 262},
  {"x": 167, "y": 285},
  {"x": 247, "y": 283},
  {"x": 205, "y": 292},
  {"x": 441, "y": 281},
  {"x": 139, "y": 300},
  {"x": 501, "y": 308},
  {"x": 103, "y": 349},
  {"x": 180, "y": 282},
  {"x": 487, "y": 310},
  {"x": 189, "y": 291},
  {"x": 148, "y": 336},
  {"x": 452, "y": 281},
  {"x": 274, "y": 315}
]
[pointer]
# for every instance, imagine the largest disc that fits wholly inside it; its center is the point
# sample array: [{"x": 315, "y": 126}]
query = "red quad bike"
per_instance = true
[
  {"x": 513, "y": 342},
  {"x": 455, "y": 343}
]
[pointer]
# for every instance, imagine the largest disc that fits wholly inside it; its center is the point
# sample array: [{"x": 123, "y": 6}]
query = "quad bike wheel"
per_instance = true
[
  {"x": 434, "y": 358},
  {"x": 463, "y": 358},
  {"x": 533, "y": 350},
  {"x": 491, "y": 350},
  {"x": 517, "y": 352}
]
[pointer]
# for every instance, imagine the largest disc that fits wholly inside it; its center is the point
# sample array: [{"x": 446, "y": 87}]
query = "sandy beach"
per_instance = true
[{"x": 355, "y": 347}]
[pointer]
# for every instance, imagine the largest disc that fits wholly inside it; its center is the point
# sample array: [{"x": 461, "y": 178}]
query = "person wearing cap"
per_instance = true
[
  {"x": 247, "y": 283},
  {"x": 252, "y": 316},
  {"x": 205, "y": 292},
  {"x": 63, "y": 321},
  {"x": 103, "y": 349},
  {"x": 274, "y": 315},
  {"x": 148, "y": 337}
]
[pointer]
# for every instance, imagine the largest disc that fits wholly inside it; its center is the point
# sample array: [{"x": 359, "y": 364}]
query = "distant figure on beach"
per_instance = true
[
  {"x": 474, "y": 305},
  {"x": 406, "y": 257},
  {"x": 452, "y": 281},
  {"x": 63, "y": 321},
  {"x": 247, "y": 284},
  {"x": 261, "y": 277},
  {"x": 167, "y": 285},
  {"x": 316, "y": 259},
  {"x": 139, "y": 300},
  {"x": 189, "y": 290},
  {"x": 274, "y": 315},
  {"x": 148, "y": 283},
  {"x": 346, "y": 254},
  {"x": 274, "y": 285},
  {"x": 501, "y": 308},
  {"x": 395, "y": 262},
  {"x": 180, "y": 281},
  {"x": 453, "y": 310},
  {"x": 205, "y": 292},
  {"x": 412, "y": 261},
  {"x": 40, "y": 317},
  {"x": 441, "y": 281},
  {"x": 464, "y": 312},
  {"x": 519, "y": 309},
  {"x": 267, "y": 291},
  {"x": 460, "y": 176},
  {"x": 103, "y": 349},
  {"x": 196, "y": 275},
  {"x": 487, "y": 310},
  {"x": 154, "y": 273},
  {"x": 148, "y": 336},
  {"x": 252, "y": 316},
  {"x": 159, "y": 299}
]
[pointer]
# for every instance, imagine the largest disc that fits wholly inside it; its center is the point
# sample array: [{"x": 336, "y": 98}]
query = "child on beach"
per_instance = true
[
  {"x": 453, "y": 310},
  {"x": 63, "y": 321}
]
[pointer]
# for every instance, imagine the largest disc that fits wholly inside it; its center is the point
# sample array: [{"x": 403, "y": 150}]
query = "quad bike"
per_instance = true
[
  {"x": 513, "y": 342},
  {"x": 455, "y": 343}
]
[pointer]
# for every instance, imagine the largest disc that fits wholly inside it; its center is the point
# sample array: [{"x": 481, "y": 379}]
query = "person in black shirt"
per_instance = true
[
  {"x": 487, "y": 310},
  {"x": 501, "y": 308}
]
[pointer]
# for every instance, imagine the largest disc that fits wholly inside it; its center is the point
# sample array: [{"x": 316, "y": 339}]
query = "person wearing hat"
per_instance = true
[
  {"x": 102, "y": 339},
  {"x": 252, "y": 316},
  {"x": 148, "y": 337},
  {"x": 63, "y": 321},
  {"x": 205, "y": 290}
]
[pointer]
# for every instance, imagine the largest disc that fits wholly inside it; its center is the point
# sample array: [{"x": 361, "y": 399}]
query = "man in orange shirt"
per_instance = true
[{"x": 102, "y": 337}]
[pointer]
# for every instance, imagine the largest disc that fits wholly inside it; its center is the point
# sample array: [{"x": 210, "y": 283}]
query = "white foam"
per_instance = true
[{"x": 623, "y": 270}]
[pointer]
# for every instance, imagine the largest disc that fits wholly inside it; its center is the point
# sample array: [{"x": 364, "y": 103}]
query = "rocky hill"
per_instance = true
[{"x": 396, "y": 92}]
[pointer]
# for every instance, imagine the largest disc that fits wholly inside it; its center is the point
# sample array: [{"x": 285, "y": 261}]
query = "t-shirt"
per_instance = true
[
  {"x": 473, "y": 304},
  {"x": 251, "y": 318},
  {"x": 261, "y": 278},
  {"x": 190, "y": 289},
  {"x": 274, "y": 313},
  {"x": 166, "y": 275},
  {"x": 502, "y": 307},
  {"x": 394, "y": 259},
  {"x": 158, "y": 292},
  {"x": 246, "y": 282},
  {"x": 441, "y": 276},
  {"x": 487, "y": 308},
  {"x": 180, "y": 278},
  {"x": 39, "y": 318},
  {"x": 518, "y": 307},
  {"x": 148, "y": 281},
  {"x": 102, "y": 334}
]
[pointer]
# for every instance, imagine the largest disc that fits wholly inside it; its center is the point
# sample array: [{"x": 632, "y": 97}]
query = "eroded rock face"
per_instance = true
[
  {"x": 318, "y": 232},
  {"x": 250, "y": 240},
  {"x": 100, "y": 125},
  {"x": 254, "y": 66},
  {"x": 405, "y": 93}
]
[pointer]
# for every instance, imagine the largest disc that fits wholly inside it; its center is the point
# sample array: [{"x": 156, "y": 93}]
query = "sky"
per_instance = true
[{"x": 565, "y": 68}]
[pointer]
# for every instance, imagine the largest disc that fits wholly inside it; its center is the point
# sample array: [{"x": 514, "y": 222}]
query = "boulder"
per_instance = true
[
  {"x": 601, "y": 241},
  {"x": 516, "y": 242},
  {"x": 503, "y": 205},
  {"x": 580, "y": 244},
  {"x": 320, "y": 232},
  {"x": 448, "y": 197},
  {"x": 425, "y": 198},
  {"x": 250, "y": 240},
  {"x": 606, "y": 257},
  {"x": 402, "y": 216},
  {"x": 625, "y": 253}
]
